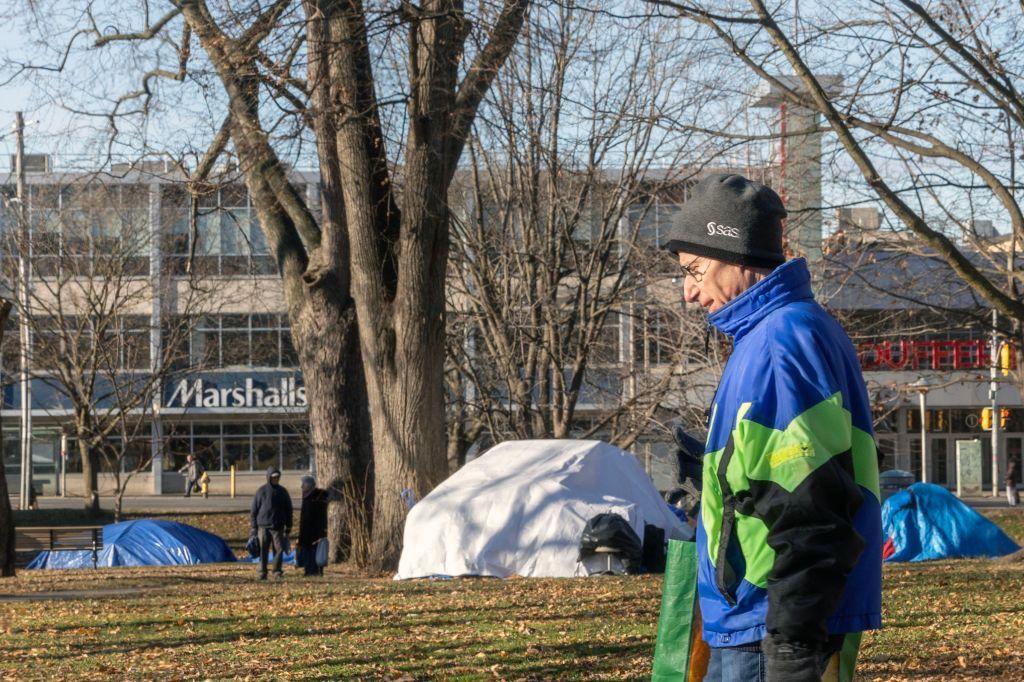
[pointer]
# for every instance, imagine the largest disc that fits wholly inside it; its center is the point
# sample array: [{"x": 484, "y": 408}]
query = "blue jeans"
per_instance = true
[
  {"x": 736, "y": 665},
  {"x": 747, "y": 663}
]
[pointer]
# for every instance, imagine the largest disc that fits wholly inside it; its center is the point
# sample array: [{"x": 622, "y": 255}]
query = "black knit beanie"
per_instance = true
[{"x": 730, "y": 218}]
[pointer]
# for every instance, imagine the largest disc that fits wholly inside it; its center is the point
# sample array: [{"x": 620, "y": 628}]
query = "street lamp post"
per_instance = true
[
  {"x": 993, "y": 395},
  {"x": 921, "y": 387},
  {"x": 25, "y": 487}
]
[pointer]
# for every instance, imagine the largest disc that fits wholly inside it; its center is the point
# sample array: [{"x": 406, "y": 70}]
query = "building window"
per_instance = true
[
  {"x": 887, "y": 452},
  {"x": 125, "y": 344},
  {"x": 228, "y": 241},
  {"x": 965, "y": 421},
  {"x": 261, "y": 340},
  {"x": 657, "y": 337},
  {"x": 89, "y": 228},
  {"x": 249, "y": 446}
]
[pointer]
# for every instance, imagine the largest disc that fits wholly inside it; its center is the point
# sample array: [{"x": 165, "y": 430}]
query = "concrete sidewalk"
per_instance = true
[
  {"x": 157, "y": 503},
  {"x": 989, "y": 502}
]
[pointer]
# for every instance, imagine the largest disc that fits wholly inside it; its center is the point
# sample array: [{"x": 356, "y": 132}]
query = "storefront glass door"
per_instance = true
[
  {"x": 940, "y": 461},
  {"x": 915, "y": 457}
]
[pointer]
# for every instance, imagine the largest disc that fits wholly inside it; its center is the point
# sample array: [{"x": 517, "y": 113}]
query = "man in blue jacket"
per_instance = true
[{"x": 789, "y": 532}]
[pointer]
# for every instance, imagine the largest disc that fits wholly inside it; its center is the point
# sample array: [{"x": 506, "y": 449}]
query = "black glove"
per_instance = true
[{"x": 792, "y": 661}]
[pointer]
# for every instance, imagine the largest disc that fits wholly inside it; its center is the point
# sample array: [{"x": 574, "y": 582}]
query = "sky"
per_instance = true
[{"x": 185, "y": 118}]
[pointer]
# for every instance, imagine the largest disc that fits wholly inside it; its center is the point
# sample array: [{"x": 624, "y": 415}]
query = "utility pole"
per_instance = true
[
  {"x": 924, "y": 434},
  {"x": 993, "y": 394},
  {"x": 25, "y": 490}
]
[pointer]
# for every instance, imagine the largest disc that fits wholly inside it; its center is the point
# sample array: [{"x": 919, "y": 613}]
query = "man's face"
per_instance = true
[{"x": 713, "y": 283}]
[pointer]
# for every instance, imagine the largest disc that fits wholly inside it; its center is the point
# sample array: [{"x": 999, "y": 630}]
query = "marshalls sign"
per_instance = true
[{"x": 231, "y": 392}]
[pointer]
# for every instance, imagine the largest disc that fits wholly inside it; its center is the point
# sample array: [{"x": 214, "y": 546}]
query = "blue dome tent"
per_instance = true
[
  {"x": 145, "y": 542},
  {"x": 926, "y": 521}
]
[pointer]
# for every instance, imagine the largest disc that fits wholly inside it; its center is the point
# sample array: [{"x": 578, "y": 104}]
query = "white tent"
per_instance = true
[{"x": 519, "y": 509}]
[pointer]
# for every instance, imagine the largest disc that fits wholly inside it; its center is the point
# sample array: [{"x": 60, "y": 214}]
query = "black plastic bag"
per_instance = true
[
  {"x": 612, "y": 534},
  {"x": 654, "y": 549},
  {"x": 252, "y": 546}
]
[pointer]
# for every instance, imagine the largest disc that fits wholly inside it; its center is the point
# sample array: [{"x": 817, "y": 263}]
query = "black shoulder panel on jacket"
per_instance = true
[{"x": 816, "y": 546}]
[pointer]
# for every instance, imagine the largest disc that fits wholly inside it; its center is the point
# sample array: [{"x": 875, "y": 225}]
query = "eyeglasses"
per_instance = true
[{"x": 695, "y": 269}]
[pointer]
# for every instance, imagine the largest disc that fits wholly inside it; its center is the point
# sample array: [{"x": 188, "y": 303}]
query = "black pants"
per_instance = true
[
  {"x": 190, "y": 484},
  {"x": 307, "y": 559},
  {"x": 267, "y": 537}
]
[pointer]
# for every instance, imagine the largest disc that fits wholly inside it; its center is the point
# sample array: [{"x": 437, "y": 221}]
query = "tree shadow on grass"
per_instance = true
[
  {"x": 941, "y": 669},
  {"x": 105, "y": 649},
  {"x": 927, "y": 618},
  {"x": 516, "y": 661}
]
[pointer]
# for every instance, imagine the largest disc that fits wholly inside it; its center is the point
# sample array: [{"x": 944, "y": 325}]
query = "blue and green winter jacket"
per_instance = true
[{"x": 789, "y": 534}]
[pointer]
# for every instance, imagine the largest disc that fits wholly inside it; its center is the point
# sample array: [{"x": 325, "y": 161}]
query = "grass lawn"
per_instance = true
[{"x": 944, "y": 620}]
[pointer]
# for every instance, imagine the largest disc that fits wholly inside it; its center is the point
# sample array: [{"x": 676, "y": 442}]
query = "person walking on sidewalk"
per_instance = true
[
  {"x": 271, "y": 521},
  {"x": 1012, "y": 474},
  {"x": 789, "y": 537},
  {"x": 192, "y": 470}
]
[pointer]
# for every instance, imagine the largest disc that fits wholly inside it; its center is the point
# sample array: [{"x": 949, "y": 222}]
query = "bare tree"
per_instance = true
[
  {"x": 88, "y": 312},
  {"x": 929, "y": 117},
  {"x": 558, "y": 287},
  {"x": 7, "y": 555}
]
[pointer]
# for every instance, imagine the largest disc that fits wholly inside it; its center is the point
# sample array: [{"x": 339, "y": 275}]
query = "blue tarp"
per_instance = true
[
  {"x": 145, "y": 542},
  {"x": 286, "y": 558},
  {"x": 926, "y": 521}
]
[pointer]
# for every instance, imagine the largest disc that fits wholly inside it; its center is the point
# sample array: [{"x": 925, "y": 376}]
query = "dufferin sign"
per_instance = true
[
  {"x": 274, "y": 392},
  {"x": 927, "y": 354}
]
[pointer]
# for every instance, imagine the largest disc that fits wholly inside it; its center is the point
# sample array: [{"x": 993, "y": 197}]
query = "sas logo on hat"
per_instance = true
[{"x": 724, "y": 230}]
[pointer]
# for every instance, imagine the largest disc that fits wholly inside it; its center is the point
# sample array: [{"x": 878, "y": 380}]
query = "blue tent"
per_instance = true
[
  {"x": 926, "y": 521},
  {"x": 145, "y": 542}
]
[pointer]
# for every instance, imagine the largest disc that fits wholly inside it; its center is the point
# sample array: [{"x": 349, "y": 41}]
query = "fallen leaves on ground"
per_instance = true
[{"x": 950, "y": 620}]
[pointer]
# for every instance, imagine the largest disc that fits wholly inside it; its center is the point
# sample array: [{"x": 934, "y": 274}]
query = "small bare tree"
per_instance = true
[
  {"x": 90, "y": 297},
  {"x": 6, "y": 514}
]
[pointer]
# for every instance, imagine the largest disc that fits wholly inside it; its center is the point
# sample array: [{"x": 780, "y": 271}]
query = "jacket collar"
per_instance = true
[{"x": 789, "y": 282}]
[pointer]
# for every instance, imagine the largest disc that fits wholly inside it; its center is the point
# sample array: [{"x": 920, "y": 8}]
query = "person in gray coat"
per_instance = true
[
  {"x": 271, "y": 520},
  {"x": 192, "y": 470}
]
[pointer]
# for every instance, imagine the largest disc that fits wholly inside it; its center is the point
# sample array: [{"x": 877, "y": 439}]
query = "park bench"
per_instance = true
[{"x": 60, "y": 539}]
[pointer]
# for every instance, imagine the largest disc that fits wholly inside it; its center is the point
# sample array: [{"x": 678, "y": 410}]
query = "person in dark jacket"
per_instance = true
[
  {"x": 789, "y": 537},
  {"x": 312, "y": 526},
  {"x": 271, "y": 520}
]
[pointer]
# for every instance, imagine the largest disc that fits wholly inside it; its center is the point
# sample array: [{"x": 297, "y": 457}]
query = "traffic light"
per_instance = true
[
  {"x": 1007, "y": 358},
  {"x": 986, "y": 418}
]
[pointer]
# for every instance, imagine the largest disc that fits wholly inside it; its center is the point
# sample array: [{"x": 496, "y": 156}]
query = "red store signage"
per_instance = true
[{"x": 915, "y": 354}]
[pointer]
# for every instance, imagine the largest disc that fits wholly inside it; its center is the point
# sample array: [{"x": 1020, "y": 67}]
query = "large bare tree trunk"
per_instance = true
[
  {"x": 409, "y": 424},
  {"x": 397, "y": 255},
  {"x": 339, "y": 423}
]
